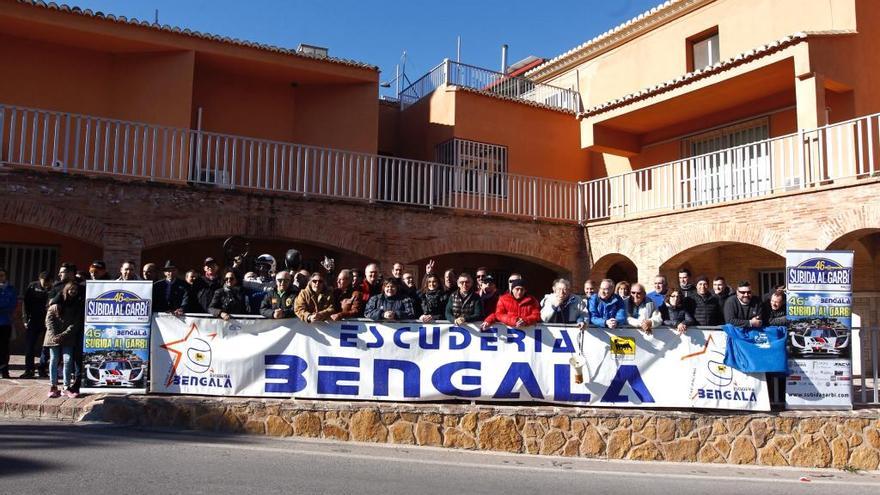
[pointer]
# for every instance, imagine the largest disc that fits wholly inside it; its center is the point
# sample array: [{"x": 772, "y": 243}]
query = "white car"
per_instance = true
[
  {"x": 115, "y": 373},
  {"x": 817, "y": 341}
]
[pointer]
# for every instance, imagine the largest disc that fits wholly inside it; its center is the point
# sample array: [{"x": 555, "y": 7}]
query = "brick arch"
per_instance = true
[
  {"x": 528, "y": 249},
  {"x": 53, "y": 219},
  {"x": 862, "y": 218},
  {"x": 603, "y": 265},
  {"x": 716, "y": 234},
  {"x": 204, "y": 227}
]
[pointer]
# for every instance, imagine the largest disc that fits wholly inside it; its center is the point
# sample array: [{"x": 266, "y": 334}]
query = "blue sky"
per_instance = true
[{"x": 377, "y": 32}]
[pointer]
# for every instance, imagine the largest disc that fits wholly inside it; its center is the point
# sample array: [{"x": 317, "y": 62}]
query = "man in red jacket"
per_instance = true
[{"x": 515, "y": 308}]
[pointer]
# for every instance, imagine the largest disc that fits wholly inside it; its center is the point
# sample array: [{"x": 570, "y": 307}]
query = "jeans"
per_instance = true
[
  {"x": 55, "y": 353},
  {"x": 34, "y": 345}
]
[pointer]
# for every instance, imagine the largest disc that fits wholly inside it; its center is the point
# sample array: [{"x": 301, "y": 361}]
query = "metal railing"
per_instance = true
[
  {"x": 489, "y": 81},
  {"x": 866, "y": 372},
  {"x": 73, "y": 143},
  {"x": 806, "y": 159}
]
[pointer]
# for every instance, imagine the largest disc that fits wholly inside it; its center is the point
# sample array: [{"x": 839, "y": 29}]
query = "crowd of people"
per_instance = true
[{"x": 53, "y": 309}]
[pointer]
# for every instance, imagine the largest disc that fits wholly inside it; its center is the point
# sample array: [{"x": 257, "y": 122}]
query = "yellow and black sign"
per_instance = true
[{"x": 623, "y": 347}]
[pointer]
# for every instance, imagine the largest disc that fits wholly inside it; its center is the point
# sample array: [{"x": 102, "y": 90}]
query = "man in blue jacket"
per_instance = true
[
  {"x": 606, "y": 307},
  {"x": 8, "y": 300}
]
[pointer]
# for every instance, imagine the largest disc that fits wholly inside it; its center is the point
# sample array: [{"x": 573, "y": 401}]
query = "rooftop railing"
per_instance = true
[
  {"x": 832, "y": 154},
  {"x": 496, "y": 83},
  {"x": 73, "y": 143}
]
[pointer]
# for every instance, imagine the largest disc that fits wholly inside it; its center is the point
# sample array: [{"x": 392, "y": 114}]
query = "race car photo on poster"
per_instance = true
[{"x": 818, "y": 337}]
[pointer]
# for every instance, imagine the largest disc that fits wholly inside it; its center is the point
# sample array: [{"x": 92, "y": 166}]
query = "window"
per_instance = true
[
  {"x": 726, "y": 164},
  {"x": 477, "y": 167},
  {"x": 703, "y": 50},
  {"x": 26, "y": 262},
  {"x": 770, "y": 280}
]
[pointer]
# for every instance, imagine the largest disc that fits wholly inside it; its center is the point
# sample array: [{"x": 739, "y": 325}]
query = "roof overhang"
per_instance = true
[
  {"x": 70, "y": 26},
  {"x": 759, "y": 81}
]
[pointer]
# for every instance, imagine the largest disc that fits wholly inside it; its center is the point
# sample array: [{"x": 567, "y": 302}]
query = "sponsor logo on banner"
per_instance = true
[
  {"x": 623, "y": 348},
  {"x": 118, "y": 306},
  {"x": 195, "y": 352}
]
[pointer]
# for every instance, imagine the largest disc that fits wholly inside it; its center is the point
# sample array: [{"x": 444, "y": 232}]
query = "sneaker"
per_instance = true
[
  {"x": 28, "y": 374},
  {"x": 54, "y": 393},
  {"x": 70, "y": 394}
]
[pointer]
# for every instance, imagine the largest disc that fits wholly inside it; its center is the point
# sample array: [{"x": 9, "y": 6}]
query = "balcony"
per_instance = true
[
  {"x": 835, "y": 154},
  {"x": 84, "y": 144},
  {"x": 490, "y": 82}
]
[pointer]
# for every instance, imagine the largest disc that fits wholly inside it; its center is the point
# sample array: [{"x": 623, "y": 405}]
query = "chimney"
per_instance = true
[{"x": 504, "y": 59}]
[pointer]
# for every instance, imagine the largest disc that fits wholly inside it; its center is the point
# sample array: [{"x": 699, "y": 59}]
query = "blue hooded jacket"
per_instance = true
[
  {"x": 8, "y": 300},
  {"x": 602, "y": 311}
]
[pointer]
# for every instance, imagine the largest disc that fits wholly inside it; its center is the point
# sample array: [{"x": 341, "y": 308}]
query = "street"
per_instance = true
[{"x": 47, "y": 457}]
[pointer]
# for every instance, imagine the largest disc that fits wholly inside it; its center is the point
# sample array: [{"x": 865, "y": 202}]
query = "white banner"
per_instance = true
[
  {"x": 417, "y": 362},
  {"x": 116, "y": 350}
]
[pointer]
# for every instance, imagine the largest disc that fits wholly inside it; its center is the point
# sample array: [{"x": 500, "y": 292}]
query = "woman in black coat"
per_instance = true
[
  {"x": 433, "y": 299},
  {"x": 231, "y": 298},
  {"x": 675, "y": 313}
]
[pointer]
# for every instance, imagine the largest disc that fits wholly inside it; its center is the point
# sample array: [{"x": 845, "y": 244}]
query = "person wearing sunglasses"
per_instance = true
[
  {"x": 641, "y": 311},
  {"x": 315, "y": 302},
  {"x": 230, "y": 299},
  {"x": 743, "y": 310},
  {"x": 675, "y": 313},
  {"x": 279, "y": 300}
]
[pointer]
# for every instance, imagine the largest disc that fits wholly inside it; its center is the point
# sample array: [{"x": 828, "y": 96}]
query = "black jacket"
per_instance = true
[
  {"x": 738, "y": 314},
  {"x": 673, "y": 316},
  {"x": 688, "y": 291},
  {"x": 774, "y": 318},
  {"x": 274, "y": 300},
  {"x": 33, "y": 308},
  {"x": 163, "y": 300},
  {"x": 434, "y": 303},
  {"x": 707, "y": 310},
  {"x": 199, "y": 296},
  {"x": 232, "y": 300},
  {"x": 469, "y": 307},
  {"x": 401, "y": 305}
]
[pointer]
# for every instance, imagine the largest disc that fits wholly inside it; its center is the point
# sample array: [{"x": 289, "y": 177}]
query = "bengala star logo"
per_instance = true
[{"x": 197, "y": 349}]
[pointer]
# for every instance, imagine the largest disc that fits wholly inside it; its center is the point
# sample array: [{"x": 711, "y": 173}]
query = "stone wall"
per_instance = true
[{"x": 809, "y": 439}]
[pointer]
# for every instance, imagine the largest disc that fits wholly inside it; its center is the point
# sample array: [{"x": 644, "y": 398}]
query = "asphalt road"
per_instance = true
[{"x": 44, "y": 457}]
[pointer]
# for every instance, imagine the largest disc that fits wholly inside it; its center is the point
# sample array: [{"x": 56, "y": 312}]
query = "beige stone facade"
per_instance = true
[{"x": 806, "y": 439}]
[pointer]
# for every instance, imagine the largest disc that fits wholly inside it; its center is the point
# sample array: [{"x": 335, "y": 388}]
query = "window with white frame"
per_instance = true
[
  {"x": 728, "y": 163},
  {"x": 704, "y": 50},
  {"x": 478, "y": 168}
]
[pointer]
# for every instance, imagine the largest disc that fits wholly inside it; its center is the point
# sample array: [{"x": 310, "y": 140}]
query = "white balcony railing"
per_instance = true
[
  {"x": 73, "y": 143},
  {"x": 807, "y": 159},
  {"x": 468, "y": 76}
]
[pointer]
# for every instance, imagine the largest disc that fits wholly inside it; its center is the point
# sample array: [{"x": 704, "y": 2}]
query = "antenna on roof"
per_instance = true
[{"x": 156, "y": 17}]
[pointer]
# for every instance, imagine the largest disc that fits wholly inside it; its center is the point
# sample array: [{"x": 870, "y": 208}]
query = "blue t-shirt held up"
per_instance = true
[{"x": 755, "y": 350}]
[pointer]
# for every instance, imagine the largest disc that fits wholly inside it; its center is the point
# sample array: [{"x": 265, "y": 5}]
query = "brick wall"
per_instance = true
[{"x": 126, "y": 217}]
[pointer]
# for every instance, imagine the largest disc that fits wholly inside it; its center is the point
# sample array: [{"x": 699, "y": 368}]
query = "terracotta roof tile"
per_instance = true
[{"x": 188, "y": 32}]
